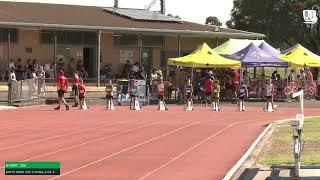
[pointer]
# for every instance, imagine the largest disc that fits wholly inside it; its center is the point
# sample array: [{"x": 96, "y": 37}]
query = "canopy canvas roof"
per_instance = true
[
  {"x": 203, "y": 57},
  {"x": 253, "y": 56},
  {"x": 299, "y": 56},
  {"x": 234, "y": 45},
  {"x": 269, "y": 49}
]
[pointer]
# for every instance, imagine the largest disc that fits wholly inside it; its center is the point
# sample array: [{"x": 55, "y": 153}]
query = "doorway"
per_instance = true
[
  {"x": 146, "y": 59},
  {"x": 89, "y": 61}
]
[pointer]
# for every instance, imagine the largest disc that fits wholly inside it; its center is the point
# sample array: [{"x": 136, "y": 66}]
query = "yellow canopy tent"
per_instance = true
[
  {"x": 203, "y": 57},
  {"x": 299, "y": 56}
]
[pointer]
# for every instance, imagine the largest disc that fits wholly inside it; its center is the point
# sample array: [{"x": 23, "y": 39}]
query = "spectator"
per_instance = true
[
  {"x": 108, "y": 71},
  {"x": 28, "y": 69},
  {"x": 35, "y": 66},
  {"x": 60, "y": 65},
  {"x": 246, "y": 79},
  {"x": 180, "y": 82},
  {"x": 19, "y": 70},
  {"x": 274, "y": 75},
  {"x": 11, "y": 64},
  {"x": 318, "y": 84},
  {"x": 198, "y": 91},
  {"x": 79, "y": 65},
  {"x": 72, "y": 66},
  {"x": 83, "y": 73},
  {"x": 291, "y": 77},
  {"x": 41, "y": 81},
  {"x": 126, "y": 70}
]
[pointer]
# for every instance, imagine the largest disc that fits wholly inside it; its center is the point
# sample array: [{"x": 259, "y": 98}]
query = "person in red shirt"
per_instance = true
[
  {"x": 62, "y": 86},
  {"x": 235, "y": 83},
  {"x": 82, "y": 93},
  {"x": 208, "y": 88},
  {"x": 75, "y": 89}
]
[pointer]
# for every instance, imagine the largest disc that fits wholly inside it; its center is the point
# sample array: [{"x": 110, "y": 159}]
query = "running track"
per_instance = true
[{"x": 129, "y": 145}]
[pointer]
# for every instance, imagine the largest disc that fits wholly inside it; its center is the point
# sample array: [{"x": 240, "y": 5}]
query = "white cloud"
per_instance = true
[{"x": 194, "y": 11}]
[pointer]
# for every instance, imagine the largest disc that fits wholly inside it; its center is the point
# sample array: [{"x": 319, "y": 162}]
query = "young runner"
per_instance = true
[
  {"x": 109, "y": 95},
  {"x": 133, "y": 90},
  {"x": 160, "y": 87},
  {"x": 242, "y": 94},
  {"x": 269, "y": 95},
  {"x": 216, "y": 95},
  {"x": 75, "y": 88},
  {"x": 82, "y": 94},
  {"x": 208, "y": 88},
  {"x": 62, "y": 86},
  {"x": 188, "y": 93}
]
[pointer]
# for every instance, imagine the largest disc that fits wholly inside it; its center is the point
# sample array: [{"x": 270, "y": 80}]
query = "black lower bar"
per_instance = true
[{"x": 24, "y": 172}]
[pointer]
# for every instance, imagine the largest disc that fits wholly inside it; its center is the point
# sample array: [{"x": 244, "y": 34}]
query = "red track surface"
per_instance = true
[{"x": 126, "y": 145}]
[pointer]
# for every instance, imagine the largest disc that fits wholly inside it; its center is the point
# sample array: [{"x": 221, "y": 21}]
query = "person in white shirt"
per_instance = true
[{"x": 269, "y": 91}]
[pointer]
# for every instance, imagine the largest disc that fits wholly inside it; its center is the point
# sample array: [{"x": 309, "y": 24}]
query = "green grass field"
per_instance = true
[{"x": 279, "y": 149}]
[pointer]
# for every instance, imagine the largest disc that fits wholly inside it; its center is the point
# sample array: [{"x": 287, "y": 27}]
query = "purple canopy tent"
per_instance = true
[
  {"x": 269, "y": 49},
  {"x": 253, "y": 56}
]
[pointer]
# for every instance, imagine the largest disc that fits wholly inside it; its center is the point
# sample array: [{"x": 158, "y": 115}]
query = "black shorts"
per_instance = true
[
  {"x": 132, "y": 95},
  {"x": 61, "y": 93},
  {"x": 81, "y": 97},
  {"x": 268, "y": 97},
  {"x": 188, "y": 96},
  {"x": 109, "y": 96},
  {"x": 160, "y": 97},
  {"x": 75, "y": 90},
  {"x": 241, "y": 97}
]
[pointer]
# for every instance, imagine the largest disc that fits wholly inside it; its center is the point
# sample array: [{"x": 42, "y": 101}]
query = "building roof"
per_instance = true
[{"x": 42, "y": 15}]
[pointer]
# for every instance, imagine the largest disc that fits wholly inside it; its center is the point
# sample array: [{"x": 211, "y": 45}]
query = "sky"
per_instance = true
[{"x": 194, "y": 11}]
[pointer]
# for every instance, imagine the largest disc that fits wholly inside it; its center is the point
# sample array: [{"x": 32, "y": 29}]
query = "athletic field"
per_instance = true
[{"x": 130, "y": 145}]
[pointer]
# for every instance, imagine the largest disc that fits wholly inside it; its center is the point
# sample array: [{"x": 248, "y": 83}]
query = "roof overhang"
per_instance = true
[{"x": 168, "y": 32}]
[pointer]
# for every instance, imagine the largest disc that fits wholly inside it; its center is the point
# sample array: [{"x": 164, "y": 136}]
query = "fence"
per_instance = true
[{"x": 26, "y": 90}]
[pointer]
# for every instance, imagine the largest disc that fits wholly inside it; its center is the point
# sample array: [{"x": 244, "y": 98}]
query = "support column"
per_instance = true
[
  {"x": 98, "y": 58},
  {"x": 140, "y": 48},
  {"x": 217, "y": 42},
  {"x": 179, "y": 46},
  {"x": 9, "y": 78},
  {"x": 55, "y": 54}
]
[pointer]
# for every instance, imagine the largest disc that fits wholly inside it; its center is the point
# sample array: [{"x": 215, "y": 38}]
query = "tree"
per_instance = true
[
  {"x": 212, "y": 20},
  {"x": 280, "y": 20}
]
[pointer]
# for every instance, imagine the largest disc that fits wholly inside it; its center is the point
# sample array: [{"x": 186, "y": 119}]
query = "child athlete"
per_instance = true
[
  {"x": 216, "y": 96},
  {"x": 242, "y": 94},
  {"x": 109, "y": 95},
  {"x": 160, "y": 87},
  {"x": 188, "y": 93}
]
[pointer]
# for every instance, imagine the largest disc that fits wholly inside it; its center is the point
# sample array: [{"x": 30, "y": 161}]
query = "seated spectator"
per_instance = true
[
  {"x": 28, "y": 69},
  {"x": 35, "y": 64}
]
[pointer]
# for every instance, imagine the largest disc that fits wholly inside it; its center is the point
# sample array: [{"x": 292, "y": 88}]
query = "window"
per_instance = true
[
  {"x": 90, "y": 38},
  {"x": 4, "y": 35},
  {"x": 28, "y": 50},
  {"x": 155, "y": 41},
  {"x": 69, "y": 37},
  {"x": 125, "y": 40}
]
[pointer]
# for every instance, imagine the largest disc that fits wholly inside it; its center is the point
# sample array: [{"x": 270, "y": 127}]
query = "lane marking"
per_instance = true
[
  {"x": 60, "y": 135},
  {"x": 191, "y": 148},
  {"x": 127, "y": 149},
  {"x": 87, "y": 142}
]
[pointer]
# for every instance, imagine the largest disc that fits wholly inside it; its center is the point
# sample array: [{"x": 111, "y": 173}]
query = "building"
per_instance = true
[{"x": 48, "y": 32}]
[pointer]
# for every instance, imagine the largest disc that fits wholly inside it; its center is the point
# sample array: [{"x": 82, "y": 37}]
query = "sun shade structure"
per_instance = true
[
  {"x": 253, "y": 56},
  {"x": 234, "y": 45},
  {"x": 203, "y": 57},
  {"x": 269, "y": 49},
  {"x": 299, "y": 56}
]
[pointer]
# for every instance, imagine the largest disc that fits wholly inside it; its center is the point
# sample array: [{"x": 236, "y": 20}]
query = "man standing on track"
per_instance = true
[
  {"x": 62, "y": 86},
  {"x": 235, "y": 83}
]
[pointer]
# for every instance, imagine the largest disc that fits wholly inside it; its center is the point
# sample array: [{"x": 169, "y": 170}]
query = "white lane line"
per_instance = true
[
  {"x": 190, "y": 149},
  {"x": 88, "y": 142},
  {"x": 57, "y": 136},
  {"x": 127, "y": 149}
]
